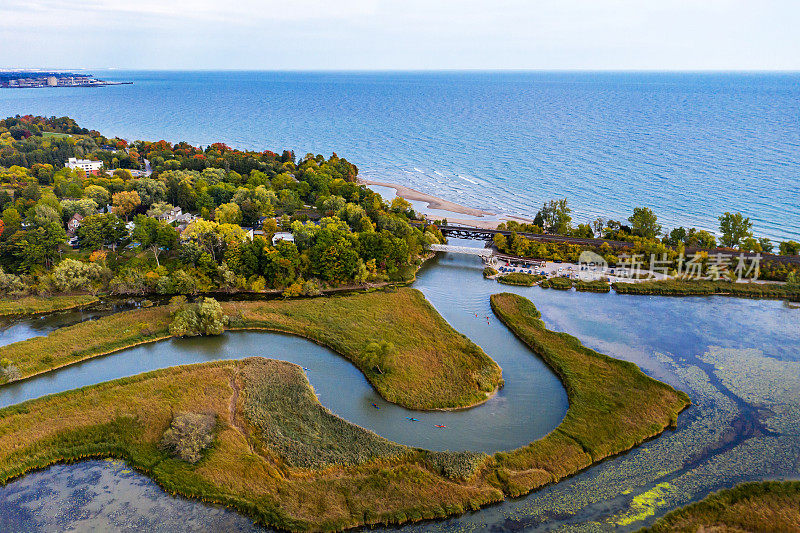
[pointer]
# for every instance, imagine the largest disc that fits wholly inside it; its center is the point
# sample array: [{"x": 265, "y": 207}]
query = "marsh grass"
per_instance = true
[
  {"x": 88, "y": 339},
  {"x": 613, "y": 404},
  {"x": 286, "y": 461},
  {"x": 709, "y": 287},
  {"x": 126, "y": 418},
  {"x": 757, "y": 507},
  {"x": 289, "y": 419},
  {"x": 31, "y": 305},
  {"x": 432, "y": 365}
]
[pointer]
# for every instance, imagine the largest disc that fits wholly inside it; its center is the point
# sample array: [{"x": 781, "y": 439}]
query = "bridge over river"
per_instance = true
[{"x": 466, "y": 232}]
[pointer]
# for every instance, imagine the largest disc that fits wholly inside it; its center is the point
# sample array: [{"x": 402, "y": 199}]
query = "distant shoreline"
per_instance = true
[{"x": 435, "y": 202}]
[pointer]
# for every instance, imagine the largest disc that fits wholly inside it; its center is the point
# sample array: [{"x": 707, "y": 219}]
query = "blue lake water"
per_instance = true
[{"x": 690, "y": 146}]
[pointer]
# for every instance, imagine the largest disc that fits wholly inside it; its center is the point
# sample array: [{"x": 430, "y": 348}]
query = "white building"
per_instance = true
[
  {"x": 87, "y": 165},
  {"x": 282, "y": 236}
]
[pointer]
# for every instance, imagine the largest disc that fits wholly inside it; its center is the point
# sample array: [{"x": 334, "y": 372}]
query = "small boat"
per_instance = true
[
  {"x": 413, "y": 419},
  {"x": 306, "y": 368},
  {"x": 440, "y": 426},
  {"x": 375, "y": 405}
]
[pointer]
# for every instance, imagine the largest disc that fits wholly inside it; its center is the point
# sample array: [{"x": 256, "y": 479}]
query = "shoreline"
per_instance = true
[{"x": 435, "y": 202}]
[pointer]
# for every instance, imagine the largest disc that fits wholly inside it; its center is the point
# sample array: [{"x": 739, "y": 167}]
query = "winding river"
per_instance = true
[{"x": 669, "y": 338}]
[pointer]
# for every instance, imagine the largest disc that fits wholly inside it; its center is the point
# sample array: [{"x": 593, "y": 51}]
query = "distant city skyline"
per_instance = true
[{"x": 407, "y": 35}]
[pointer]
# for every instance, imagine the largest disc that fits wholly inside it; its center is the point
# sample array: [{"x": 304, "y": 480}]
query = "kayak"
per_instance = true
[
  {"x": 440, "y": 426},
  {"x": 413, "y": 419},
  {"x": 375, "y": 406}
]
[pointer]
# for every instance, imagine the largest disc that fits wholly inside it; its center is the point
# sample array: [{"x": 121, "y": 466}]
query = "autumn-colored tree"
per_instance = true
[{"x": 124, "y": 203}]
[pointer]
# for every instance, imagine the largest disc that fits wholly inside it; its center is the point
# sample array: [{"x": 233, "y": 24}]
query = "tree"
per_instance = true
[
  {"x": 97, "y": 193},
  {"x": 766, "y": 245},
  {"x": 379, "y": 356},
  {"x": 554, "y": 217},
  {"x": 104, "y": 229},
  {"x": 790, "y": 248},
  {"x": 229, "y": 213},
  {"x": 734, "y": 228},
  {"x": 192, "y": 319},
  {"x": 155, "y": 235},
  {"x": 125, "y": 203},
  {"x": 12, "y": 221},
  {"x": 644, "y": 223},
  {"x": 40, "y": 246},
  {"x": 150, "y": 191}
]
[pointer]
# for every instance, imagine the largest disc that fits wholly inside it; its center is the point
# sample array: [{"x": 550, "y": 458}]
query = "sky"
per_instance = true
[{"x": 401, "y": 34}]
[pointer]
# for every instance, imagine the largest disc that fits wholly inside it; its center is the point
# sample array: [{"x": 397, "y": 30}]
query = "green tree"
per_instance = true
[
  {"x": 789, "y": 248},
  {"x": 554, "y": 217},
  {"x": 205, "y": 317},
  {"x": 154, "y": 234},
  {"x": 103, "y": 229},
  {"x": 644, "y": 223},
  {"x": 734, "y": 228},
  {"x": 97, "y": 193}
]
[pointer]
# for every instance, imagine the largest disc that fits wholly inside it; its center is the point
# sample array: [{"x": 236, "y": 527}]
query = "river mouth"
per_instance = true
[{"x": 724, "y": 438}]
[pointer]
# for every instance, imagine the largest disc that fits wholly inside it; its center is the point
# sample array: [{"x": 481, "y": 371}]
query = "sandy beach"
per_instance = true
[{"x": 434, "y": 202}]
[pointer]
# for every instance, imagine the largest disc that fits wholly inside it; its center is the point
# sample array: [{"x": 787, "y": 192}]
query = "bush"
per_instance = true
[
  {"x": 561, "y": 284},
  {"x": 592, "y": 286},
  {"x": 188, "y": 435},
  {"x": 205, "y": 317},
  {"x": 11, "y": 284},
  {"x": 518, "y": 278},
  {"x": 488, "y": 272},
  {"x": 8, "y": 370},
  {"x": 72, "y": 275}
]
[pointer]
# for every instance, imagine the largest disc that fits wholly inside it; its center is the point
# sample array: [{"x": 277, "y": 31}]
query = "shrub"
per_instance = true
[
  {"x": 8, "y": 370},
  {"x": 561, "y": 284},
  {"x": 488, "y": 272},
  {"x": 518, "y": 278},
  {"x": 11, "y": 284},
  {"x": 188, "y": 435}
]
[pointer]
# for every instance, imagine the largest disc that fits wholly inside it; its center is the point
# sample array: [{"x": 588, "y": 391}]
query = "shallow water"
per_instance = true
[{"x": 730, "y": 355}]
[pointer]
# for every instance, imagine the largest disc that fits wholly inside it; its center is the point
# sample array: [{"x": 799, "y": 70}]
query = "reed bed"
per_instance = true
[{"x": 34, "y": 305}]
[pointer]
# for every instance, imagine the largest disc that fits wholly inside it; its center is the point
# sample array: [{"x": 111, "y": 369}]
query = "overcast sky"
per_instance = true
[{"x": 401, "y": 34}]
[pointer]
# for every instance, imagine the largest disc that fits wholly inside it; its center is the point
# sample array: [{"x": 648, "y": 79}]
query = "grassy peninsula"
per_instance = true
[
  {"x": 31, "y": 305},
  {"x": 280, "y": 457},
  {"x": 406, "y": 350},
  {"x": 613, "y": 405},
  {"x": 758, "y": 507}
]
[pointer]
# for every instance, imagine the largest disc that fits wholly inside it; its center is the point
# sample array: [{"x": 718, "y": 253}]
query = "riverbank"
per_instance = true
[
  {"x": 434, "y": 202},
  {"x": 331, "y": 474},
  {"x": 405, "y": 349},
  {"x": 32, "y": 305}
]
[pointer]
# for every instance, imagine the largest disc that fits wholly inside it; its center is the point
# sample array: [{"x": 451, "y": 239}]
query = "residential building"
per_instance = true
[
  {"x": 74, "y": 223},
  {"x": 282, "y": 236},
  {"x": 87, "y": 165}
]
